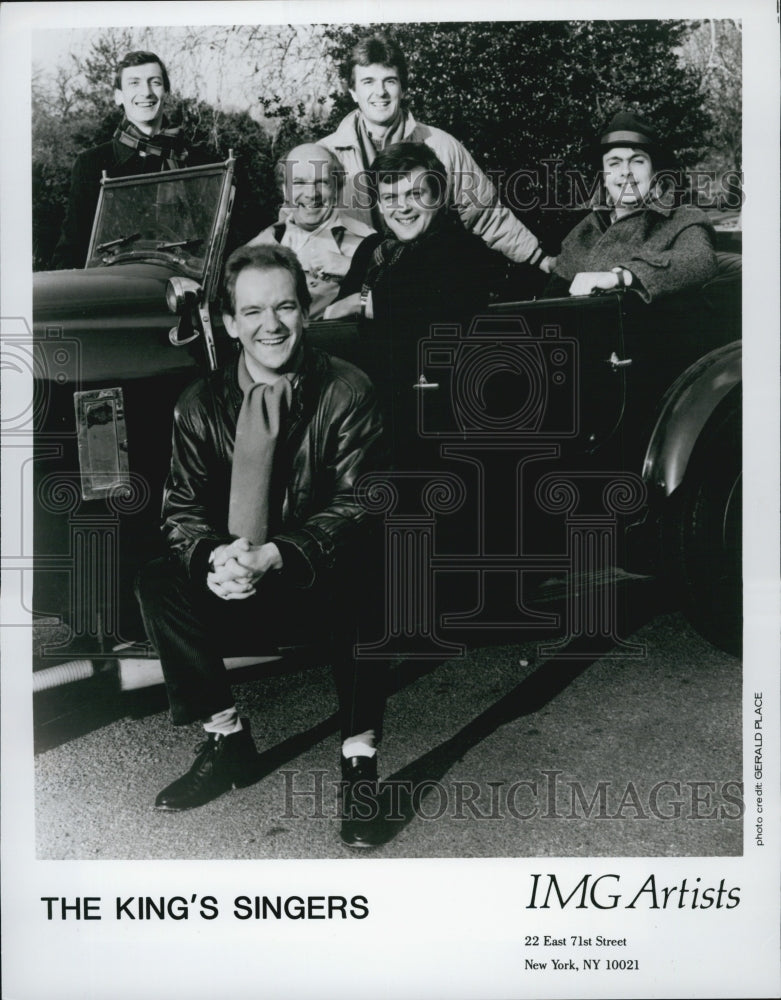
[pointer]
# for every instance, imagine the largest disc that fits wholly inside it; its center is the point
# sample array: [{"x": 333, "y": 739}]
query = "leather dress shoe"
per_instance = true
[
  {"x": 362, "y": 822},
  {"x": 221, "y": 763}
]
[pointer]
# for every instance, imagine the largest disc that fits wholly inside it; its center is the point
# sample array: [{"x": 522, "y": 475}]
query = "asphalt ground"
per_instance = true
[{"x": 500, "y": 753}]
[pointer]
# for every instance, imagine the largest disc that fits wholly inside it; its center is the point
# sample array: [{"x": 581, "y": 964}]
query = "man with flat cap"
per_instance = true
[{"x": 637, "y": 235}]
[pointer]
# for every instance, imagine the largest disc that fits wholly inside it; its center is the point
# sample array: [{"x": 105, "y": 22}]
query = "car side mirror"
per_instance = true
[
  {"x": 183, "y": 297},
  {"x": 186, "y": 298}
]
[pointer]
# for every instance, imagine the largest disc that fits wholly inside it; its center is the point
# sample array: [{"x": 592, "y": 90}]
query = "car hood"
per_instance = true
[
  {"x": 98, "y": 293},
  {"x": 107, "y": 324}
]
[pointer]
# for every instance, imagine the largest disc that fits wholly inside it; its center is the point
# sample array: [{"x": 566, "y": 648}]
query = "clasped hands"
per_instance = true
[{"x": 237, "y": 568}]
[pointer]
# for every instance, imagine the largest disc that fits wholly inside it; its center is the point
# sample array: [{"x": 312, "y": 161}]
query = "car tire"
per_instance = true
[{"x": 704, "y": 543}]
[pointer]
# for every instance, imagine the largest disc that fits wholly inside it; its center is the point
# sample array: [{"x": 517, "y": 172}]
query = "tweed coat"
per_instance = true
[{"x": 667, "y": 249}]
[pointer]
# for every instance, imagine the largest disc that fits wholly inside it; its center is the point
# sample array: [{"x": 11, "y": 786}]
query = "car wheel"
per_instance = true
[{"x": 704, "y": 533}]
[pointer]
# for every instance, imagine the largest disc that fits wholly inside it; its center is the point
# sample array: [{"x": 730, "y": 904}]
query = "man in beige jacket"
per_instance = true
[
  {"x": 310, "y": 223},
  {"x": 377, "y": 83}
]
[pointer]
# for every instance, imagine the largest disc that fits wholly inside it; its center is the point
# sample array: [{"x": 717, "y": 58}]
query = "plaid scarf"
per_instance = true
[
  {"x": 386, "y": 255},
  {"x": 167, "y": 144}
]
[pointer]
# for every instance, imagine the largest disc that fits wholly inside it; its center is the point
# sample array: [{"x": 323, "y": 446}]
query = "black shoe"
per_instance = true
[
  {"x": 362, "y": 824},
  {"x": 221, "y": 763}
]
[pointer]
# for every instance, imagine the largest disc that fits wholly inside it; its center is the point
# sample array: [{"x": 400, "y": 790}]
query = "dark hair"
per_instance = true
[
  {"x": 140, "y": 58},
  {"x": 334, "y": 163},
  {"x": 402, "y": 158},
  {"x": 379, "y": 49},
  {"x": 264, "y": 257}
]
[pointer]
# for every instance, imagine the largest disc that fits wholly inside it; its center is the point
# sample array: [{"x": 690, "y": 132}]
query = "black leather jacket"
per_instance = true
[{"x": 333, "y": 435}]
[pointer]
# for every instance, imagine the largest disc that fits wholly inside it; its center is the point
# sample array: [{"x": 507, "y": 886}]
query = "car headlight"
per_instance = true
[{"x": 177, "y": 292}]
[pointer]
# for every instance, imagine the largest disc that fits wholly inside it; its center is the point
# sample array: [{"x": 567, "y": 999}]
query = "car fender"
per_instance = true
[{"x": 685, "y": 409}]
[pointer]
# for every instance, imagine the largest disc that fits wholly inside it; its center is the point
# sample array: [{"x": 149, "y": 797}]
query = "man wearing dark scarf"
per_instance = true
[
  {"x": 267, "y": 536},
  {"x": 142, "y": 143},
  {"x": 424, "y": 270}
]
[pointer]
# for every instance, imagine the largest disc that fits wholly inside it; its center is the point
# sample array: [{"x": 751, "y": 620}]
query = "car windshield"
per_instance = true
[{"x": 172, "y": 216}]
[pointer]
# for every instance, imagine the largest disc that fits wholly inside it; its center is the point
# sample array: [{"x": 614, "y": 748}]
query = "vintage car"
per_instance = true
[{"x": 566, "y": 437}]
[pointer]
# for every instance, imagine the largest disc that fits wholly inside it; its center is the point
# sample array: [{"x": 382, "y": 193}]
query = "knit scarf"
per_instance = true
[
  {"x": 167, "y": 144},
  {"x": 257, "y": 430},
  {"x": 370, "y": 148}
]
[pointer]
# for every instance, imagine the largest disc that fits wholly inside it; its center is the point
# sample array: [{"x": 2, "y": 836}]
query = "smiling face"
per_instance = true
[
  {"x": 628, "y": 173},
  {"x": 409, "y": 204},
  {"x": 268, "y": 321},
  {"x": 141, "y": 96},
  {"x": 310, "y": 190},
  {"x": 377, "y": 91}
]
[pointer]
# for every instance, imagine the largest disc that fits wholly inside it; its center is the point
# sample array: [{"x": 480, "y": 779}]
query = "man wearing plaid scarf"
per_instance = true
[{"x": 142, "y": 143}]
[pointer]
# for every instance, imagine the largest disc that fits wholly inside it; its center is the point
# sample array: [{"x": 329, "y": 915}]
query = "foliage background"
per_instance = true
[{"x": 515, "y": 93}]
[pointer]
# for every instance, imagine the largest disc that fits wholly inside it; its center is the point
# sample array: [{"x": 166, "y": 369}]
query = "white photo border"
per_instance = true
[{"x": 437, "y": 928}]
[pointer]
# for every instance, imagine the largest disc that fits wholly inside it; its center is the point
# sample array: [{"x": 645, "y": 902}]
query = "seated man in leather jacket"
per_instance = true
[{"x": 265, "y": 531}]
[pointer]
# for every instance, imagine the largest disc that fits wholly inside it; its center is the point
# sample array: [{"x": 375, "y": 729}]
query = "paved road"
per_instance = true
[{"x": 498, "y": 753}]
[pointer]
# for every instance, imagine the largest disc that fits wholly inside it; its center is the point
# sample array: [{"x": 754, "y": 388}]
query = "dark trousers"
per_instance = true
[{"x": 192, "y": 629}]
